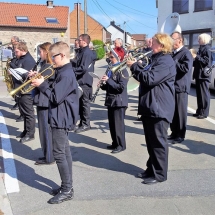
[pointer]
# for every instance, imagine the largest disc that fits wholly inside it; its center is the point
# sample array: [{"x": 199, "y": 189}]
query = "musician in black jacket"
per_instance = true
[
  {"x": 202, "y": 59},
  {"x": 26, "y": 61},
  {"x": 63, "y": 115},
  {"x": 81, "y": 66},
  {"x": 42, "y": 103},
  {"x": 156, "y": 105},
  {"x": 116, "y": 102},
  {"x": 184, "y": 64}
]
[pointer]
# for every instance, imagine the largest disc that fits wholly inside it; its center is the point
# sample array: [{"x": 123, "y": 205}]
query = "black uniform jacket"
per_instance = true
[
  {"x": 26, "y": 62},
  {"x": 81, "y": 66},
  {"x": 184, "y": 65},
  {"x": 63, "y": 98},
  {"x": 116, "y": 90},
  {"x": 39, "y": 98},
  {"x": 156, "y": 93},
  {"x": 203, "y": 59}
]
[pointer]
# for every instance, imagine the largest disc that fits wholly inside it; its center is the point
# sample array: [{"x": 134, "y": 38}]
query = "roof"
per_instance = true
[
  {"x": 112, "y": 23},
  {"x": 36, "y": 14},
  {"x": 139, "y": 36}
]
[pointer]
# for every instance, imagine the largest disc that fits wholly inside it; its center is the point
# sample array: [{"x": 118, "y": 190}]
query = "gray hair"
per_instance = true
[
  {"x": 120, "y": 40},
  {"x": 206, "y": 38},
  {"x": 15, "y": 38}
]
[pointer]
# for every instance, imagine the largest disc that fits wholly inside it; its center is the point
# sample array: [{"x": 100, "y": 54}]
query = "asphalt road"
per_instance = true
[{"x": 105, "y": 183}]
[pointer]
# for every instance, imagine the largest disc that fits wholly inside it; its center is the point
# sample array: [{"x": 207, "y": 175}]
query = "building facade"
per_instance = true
[
  {"x": 196, "y": 17},
  {"x": 34, "y": 24}
]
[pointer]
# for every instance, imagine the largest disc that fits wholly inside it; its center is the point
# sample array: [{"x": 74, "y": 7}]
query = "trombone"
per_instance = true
[{"x": 30, "y": 88}]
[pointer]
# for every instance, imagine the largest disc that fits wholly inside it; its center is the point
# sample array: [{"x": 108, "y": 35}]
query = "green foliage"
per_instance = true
[{"x": 99, "y": 48}]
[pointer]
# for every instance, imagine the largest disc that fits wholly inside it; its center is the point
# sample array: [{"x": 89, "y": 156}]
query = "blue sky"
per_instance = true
[{"x": 140, "y": 15}]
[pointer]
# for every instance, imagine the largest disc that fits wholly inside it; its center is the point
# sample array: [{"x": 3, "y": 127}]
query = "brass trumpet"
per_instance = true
[{"x": 30, "y": 88}]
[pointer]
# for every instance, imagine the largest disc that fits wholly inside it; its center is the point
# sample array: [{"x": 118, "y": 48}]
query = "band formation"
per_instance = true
[{"x": 62, "y": 91}]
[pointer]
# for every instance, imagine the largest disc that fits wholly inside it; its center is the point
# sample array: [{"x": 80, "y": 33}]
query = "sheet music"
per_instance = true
[
  {"x": 15, "y": 74},
  {"x": 20, "y": 71}
]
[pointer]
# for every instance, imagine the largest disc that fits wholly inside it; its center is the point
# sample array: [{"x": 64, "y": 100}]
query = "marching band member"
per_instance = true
[
  {"x": 25, "y": 101},
  {"x": 42, "y": 103},
  {"x": 184, "y": 65},
  {"x": 202, "y": 59},
  {"x": 63, "y": 115},
  {"x": 156, "y": 105},
  {"x": 81, "y": 66},
  {"x": 116, "y": 102}
]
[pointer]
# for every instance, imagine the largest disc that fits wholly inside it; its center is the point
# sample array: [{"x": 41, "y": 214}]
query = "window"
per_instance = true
[
  {"x": 22, "y": 19},
  {"x": 201, "y": 5},
  {"x": 52, "y": 20},
  {"x": 181, "y": 6}
]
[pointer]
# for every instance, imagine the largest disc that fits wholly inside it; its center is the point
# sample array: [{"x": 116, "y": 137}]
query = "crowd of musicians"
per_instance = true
[{"x": 163, "y": 98}]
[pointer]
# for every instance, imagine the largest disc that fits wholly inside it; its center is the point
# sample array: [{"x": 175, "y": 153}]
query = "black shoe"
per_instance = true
[
  {"x": 15, "y": 107},
  {"x": 26, "y": 139},
  {"x": 54, "y": 192},
  {"x": 171, "y": 137},
  {"x": 43, "y": 162},
  {"x": 195, "y": 114},
  {"x": 111, "y": 147},
  {"x": 178, "y": 140},
  {"x": 42, "y": 158},
  {"x": 201, "y": 117},
  {"x": 21, "y": 135},
  {"x": 150, "y": 181},
  {"x": 82, "y": 129},
  {"x": 20, "y": 119},
  {"x": 117, "y": 150},
  {"x": 144, "y": 175},
  {"x": 61, "y": 197}
]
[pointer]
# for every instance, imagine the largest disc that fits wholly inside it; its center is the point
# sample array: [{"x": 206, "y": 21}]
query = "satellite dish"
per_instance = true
[{"x": 171, "y": 24}]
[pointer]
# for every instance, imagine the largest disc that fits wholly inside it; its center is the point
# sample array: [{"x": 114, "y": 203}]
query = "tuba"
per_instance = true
[
  {"x": 8, "y": 77},
  {"x": 22, "y": 88}
]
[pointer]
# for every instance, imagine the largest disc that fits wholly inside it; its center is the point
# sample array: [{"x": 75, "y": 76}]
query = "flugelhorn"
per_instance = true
[
  {"x": 138, "y": 56},
  {"x": 30, "y": 88}
]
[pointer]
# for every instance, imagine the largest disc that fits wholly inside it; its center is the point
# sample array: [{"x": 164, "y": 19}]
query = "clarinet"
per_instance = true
[
  {"x": 37, "y": 63},
  {"x": 98, "y": 88}
]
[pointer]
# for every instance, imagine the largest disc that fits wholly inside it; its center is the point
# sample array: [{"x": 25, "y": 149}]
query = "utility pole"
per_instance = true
[
  {"x": 124, "y": 34},
  {"x": 85, "y": 16},
  {"x": 78, "y": 20}
]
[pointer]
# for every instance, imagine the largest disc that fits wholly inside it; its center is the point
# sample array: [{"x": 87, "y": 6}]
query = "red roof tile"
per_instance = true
[{"x": 35, "y": 13}]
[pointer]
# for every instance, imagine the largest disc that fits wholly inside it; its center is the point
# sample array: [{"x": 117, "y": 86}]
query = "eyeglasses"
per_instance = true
[
  {"x": 175, "y": 38},
  {"x": 55, "y": 55},
  {"x": 111, "y": 57}
]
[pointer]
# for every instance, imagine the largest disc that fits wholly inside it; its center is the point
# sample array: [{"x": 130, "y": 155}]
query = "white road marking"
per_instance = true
[
  {"x": 10, "y": 176},
  {"x": 208, "y": 118}
]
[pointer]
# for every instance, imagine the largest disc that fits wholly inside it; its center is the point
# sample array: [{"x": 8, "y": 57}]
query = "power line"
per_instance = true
[
  {"x": 129, "y": 16},
  {"x": 134, "y": 9}
]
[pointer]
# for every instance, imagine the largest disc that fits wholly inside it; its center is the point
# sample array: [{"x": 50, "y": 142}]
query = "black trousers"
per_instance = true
[
  {"x": 203, "y": 97},
  {"x": 116, "y": 116},
  {"x": 45, "y": 134},
  {"x": 155, "y": 130},
  {"x": 63, "y": 157},
  {"x": 84, "y": 105},
  {"x": 179, "y": 122},
  {"x": 27, "y": 111}
]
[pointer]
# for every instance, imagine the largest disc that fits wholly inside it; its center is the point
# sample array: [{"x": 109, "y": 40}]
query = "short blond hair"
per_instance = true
[
  {"x": 166, "y": 41},
  {"x": 60, "y": 47},
  {"x": 21, "y": 46},
  {"x": 206, "y": 38}
]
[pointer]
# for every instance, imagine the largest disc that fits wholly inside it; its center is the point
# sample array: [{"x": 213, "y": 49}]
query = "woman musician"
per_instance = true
[
  {"x": 116, "y": 102},
  {"x": 156, "y": 105},
  {"x": 42, "y": 103}
]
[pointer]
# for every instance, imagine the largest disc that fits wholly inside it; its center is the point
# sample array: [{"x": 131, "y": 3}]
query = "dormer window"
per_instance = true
[
  {"x": 52, "y": 20},
  {"x": 22, "y": 19}
]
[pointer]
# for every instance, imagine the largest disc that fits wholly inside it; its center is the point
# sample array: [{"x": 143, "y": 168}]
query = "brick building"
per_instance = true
[
  {"x": 140, "y": 39},
  {"x": 35, "y": 24},
  {"x": 96, "y": 30}
]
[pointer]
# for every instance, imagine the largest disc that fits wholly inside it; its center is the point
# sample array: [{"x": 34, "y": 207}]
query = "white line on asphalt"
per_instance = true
[
  {"x": 10, "y": 176},
  {"x": 208, "y": 118}
]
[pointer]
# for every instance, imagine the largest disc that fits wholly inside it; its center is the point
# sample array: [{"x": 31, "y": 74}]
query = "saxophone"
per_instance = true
[{"x": 8, "y": 77}]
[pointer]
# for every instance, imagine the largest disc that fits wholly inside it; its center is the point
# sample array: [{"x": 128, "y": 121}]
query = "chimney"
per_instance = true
[
  {"x": 112, "y": 22},
  {"x": 49, "y": 4},
  {"x": 76, "y": 6}
]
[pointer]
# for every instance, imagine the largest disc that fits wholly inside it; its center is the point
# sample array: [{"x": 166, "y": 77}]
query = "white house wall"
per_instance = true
[{"x": 188, "y": 21}]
